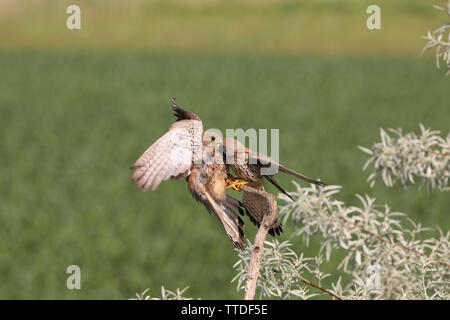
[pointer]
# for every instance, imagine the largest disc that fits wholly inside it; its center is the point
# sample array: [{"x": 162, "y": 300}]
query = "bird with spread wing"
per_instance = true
[
  {"x": 187, "y": 152},
  {"x": 203, "y": 159}
]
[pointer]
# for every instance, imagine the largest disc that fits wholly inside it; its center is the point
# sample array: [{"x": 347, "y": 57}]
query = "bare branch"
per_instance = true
[{"x": 257, "y": 252}]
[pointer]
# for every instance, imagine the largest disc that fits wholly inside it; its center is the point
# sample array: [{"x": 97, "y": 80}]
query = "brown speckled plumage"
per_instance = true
[
  {"x": 247, "y": 165},
  {"x": 175, "y": 156}
]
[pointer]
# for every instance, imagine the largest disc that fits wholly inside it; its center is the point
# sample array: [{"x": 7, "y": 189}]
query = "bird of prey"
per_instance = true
[
  {"x": 248, "y": 165},
  {"x": 188, "y": 152},
  {"x": 185, "y": 152}
]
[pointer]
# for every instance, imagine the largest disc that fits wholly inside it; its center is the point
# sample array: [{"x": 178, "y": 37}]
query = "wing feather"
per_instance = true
[
  {"x": 257, "y": 204},
  {"x": 266, "y": 162},
  {"x": 169, "y": 157},
  {"x": 229, "y": 221}
]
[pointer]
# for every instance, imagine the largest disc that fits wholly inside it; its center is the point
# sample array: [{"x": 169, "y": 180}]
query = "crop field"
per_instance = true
[{"x": 76, "y": 114}]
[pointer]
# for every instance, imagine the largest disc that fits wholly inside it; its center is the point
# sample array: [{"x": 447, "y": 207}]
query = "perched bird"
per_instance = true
[
  {"x": 188, "y": 152},
  {"x": 185, "y": 151},
  {"x": 248, "y": 165}
]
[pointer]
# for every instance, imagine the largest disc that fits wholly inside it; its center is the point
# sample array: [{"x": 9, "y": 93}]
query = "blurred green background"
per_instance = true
[{"x": 77, "y": 108}]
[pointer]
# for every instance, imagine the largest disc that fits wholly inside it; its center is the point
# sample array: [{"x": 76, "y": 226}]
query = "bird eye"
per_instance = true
[{"x": 213, "y": 138}]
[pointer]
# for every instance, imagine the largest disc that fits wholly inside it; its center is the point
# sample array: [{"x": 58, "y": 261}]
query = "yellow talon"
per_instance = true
[
  {"x": 236, "y": 184},
  {"x": 231, "y": 185},
  {"x": 241, "y": 184}
]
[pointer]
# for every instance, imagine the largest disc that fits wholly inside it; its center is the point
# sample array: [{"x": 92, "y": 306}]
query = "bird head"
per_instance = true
[
  {"x": 212, "y": 146},
  {"x": 212, "y": 138}
]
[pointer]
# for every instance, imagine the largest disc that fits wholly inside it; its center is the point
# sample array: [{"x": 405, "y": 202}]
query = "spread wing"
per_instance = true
[
  {"x": 257, "y": 204},
  {"x": 170, "y": 156}
]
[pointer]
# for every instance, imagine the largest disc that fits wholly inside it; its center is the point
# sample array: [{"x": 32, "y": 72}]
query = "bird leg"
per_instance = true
[
  {"x": 230, "y": 179},
  {"x": 235, "y": 183}
]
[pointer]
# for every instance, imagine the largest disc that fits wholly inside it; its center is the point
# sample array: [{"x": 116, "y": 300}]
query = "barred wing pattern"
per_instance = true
[
  {"x": 169, "y": 157},
  {"x": 229, "y": 220},
  {"x": 257, "y": 204}
]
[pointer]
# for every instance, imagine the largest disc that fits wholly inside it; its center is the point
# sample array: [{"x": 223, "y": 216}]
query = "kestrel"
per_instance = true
[
  {"x": 248, "y": 165},
  {"x": 184, "y": 153}
]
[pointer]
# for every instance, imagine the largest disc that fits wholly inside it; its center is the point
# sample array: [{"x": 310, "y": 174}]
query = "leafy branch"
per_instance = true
[
  {"x": 387, "y": 255},
  {"x": 406, "y": 157},
  {"x": 165, "y": 295},
  {"x": 385, "y": 258},
  {"x": 440, "y": 40}
]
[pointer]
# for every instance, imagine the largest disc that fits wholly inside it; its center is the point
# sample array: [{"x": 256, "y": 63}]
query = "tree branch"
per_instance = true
[
  {"x": 320, "y": 288},
  {"x": 373, "y": 234},
  {"x": 270, "y": 215},
  {"x": 257, "y": 252}
]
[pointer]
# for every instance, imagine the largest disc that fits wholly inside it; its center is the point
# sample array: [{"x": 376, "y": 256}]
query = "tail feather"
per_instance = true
[
  {"x": 272, "y": 181},
  {"x": 300, "y": 176}
]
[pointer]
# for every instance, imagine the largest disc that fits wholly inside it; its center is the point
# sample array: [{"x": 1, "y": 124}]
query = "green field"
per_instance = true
[
  {"x": 72, "y": 124},
  {"x": 214, "y": 26},
  {"x": 77, "y": 108}
]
